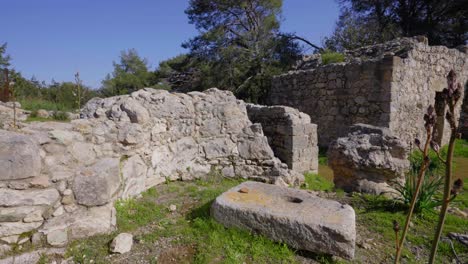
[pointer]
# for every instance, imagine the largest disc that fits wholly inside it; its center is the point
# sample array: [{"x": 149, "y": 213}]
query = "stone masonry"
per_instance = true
[
  {"x": 59, "y": 181},
  {"x": 387, "y": 85},
  {"x": 290, "y": 134}
]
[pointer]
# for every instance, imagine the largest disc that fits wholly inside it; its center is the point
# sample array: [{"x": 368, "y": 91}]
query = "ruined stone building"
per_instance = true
[{"x": 388, "y": 85}]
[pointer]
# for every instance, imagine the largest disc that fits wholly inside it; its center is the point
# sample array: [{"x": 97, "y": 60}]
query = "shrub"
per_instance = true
[
  {"x": 332, "y": 57},
  {"x": 429, "y": 194},
  {"x": 60, "y": 116}
]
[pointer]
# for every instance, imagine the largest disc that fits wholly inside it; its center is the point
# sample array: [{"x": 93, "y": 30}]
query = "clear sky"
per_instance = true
[{"x": 52, "y": 39}]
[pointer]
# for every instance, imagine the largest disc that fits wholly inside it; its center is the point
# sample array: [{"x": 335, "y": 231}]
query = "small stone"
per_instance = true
[
  {"x": 61, "y": 186},
  {"x": 67, "y": 192},
  {"x": 23, "y": 240},
  {"x": 59, "y": 211},
  {"x": 68, "y": 199},
  {"x": 57, "y": 238},
  {"x": 35, "y": 216},
  {"x": 172, "y": 207},
  {"x": 36, "y": 238},
  {"x": 18, "y": 185},
  {"x": 122, "y": 243},
  {"x": 40, "y": 182},
  {"x": 4, "y": 249},
  {"x": 10, "y": 239},
  {"x": 69, "y": 208},
  {"x": 244, "y": 190}
]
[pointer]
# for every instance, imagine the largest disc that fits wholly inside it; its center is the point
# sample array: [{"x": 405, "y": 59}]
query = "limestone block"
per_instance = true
[
  {"x": 19, "y": 156},
  {"x": 96, "y": 185},
  {"x": 10, "y": 198},
  {"x": 295, "y": 217},
  {"x": 134, "y": 176},
  {"x": 17, "y": 228}
]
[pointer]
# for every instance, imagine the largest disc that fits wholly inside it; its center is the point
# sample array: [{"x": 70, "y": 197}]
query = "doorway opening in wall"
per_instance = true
[{"x": 440, "y": 108}]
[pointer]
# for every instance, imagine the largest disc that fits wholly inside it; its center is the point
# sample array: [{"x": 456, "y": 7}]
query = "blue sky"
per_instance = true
[{"x": 52, "y": 39}]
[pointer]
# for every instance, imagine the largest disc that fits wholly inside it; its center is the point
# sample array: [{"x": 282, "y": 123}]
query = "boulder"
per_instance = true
[
  {"x": 42, "y": 113},
  {"x": 369, "y": 159},
  {"x": 295, "y": 217},
  {"x": 83, "y": 222},
  {"x": 122, "y": 243},
  {"x": 57, "y": 238},
  {"x": 19, "y": 156},
  {"x": 135, "y": 111},
  {"x": 96, "y": 185}
]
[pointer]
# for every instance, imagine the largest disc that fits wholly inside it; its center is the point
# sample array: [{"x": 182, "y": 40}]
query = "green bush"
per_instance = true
[
  {"x": 332, "y": 57},
  {"x": 60, "y": 116},
  {"x": 429, "y": 194}
]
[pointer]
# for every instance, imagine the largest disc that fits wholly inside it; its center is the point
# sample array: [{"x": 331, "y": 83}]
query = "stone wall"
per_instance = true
[
  {"x": 290, "y": 134},
  {"x": 416, "y": 80},
  {"x": 59, "y": 181},
  {"x": 387, "y": 85}
]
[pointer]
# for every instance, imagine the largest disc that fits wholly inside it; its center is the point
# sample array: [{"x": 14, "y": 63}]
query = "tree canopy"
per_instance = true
[
  {"x": 239, "y": 45},
  {"x": 4, "y": 58},
  {"x": 364, "y": 22},
  {"x": 130, "y": 74}
]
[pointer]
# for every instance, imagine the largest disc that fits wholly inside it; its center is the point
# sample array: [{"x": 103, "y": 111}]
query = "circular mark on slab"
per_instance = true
[{"x": 293, "y": 199}]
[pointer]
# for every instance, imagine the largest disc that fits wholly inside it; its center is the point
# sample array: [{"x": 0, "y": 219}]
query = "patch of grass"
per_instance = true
[
  {"x": 43, "y": 259},
  {"x": 90, "y": 250},
  {"x": 34, "y": 104},
  {"x": 377, "y": 214},
  {"x": 316, "y": 182},
  {"x": 132, "y": 214},
  {"x": 235, "y": 246},
  {"x": 332, "y": 57},
  {"x": 461, "y": 148}
]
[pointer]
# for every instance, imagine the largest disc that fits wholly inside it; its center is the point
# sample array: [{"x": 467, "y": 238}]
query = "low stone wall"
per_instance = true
[
  {"x": 59, "y": 181},
  {"x": 290, "y": 134}
]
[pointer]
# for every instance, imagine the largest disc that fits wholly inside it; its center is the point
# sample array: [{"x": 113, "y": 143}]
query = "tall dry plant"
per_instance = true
[
  {"x": 429, "y": 123},
  {"x": 451, "y": 95},
  {"x": 78, "y": 90}
]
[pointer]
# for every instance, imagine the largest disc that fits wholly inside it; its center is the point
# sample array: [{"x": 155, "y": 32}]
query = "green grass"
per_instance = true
[
  {"x": 461, "y": 148},
  {"x": 195, "y": 228},
  {"x": 377, "y": 214},
  {"x": 332, "y": 57},
  {"x": 34, "y": 104},
  {"x": 316, "y": 182},
  {"x": 132, "y": 214},
  {"x": 323, "y": 159}
]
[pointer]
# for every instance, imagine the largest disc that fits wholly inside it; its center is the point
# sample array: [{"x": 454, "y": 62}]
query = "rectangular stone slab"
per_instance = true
[{"x": 296, "y": 217}]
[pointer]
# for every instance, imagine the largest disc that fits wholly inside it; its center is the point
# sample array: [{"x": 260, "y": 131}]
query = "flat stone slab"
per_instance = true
[{"x": 295, "y": 217}]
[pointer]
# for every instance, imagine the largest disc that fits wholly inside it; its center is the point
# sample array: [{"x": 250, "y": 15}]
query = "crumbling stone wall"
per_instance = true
[
  {"x": 59, "y": 181},
  {"x": 387, "y": 85},
  {"x": 416, "y": 81},
  {"x": 290, "y": 134}
]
